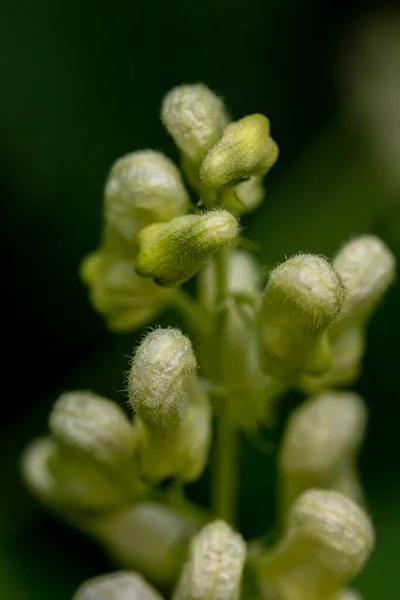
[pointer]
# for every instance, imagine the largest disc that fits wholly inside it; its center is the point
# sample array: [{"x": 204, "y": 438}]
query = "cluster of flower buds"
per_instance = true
[{"x": 121, "y": 479}]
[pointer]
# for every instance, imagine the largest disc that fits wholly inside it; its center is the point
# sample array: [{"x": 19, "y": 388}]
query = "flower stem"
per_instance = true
[{"x": 224, "y": 483}]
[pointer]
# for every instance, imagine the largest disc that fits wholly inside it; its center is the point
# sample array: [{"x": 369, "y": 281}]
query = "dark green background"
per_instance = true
[{"x": 82, "y": 83}]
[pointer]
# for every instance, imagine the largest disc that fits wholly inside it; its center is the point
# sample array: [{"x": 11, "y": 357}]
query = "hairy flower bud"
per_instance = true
[
  {"x": 95, "y": 426},
  {"x": 215, "y": 565},
  {"x": 245, "y": 149},
  {"x": 126, "y": 300},
  {"x": 367, "y": 268},
  {"x": 195, "y": 117},
  {"x": 327, "y": 542},
  {"x": 161, "y": 370},
  {"x": 302, "y": 298},
  {"x": 320, "y": 445},
  {"x": 172, "y": 253},
  {"x": 121, "y": 585},
  {"x": 142, "y": 188}
]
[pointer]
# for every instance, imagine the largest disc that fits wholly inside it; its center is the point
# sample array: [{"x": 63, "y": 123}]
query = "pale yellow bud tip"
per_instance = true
[
  {"x": 195, "y": 117},
  {"x": 245, "y": 149}
]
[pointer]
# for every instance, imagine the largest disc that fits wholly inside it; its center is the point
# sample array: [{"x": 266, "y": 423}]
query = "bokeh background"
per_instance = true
[{"x": 82, "y": 82}]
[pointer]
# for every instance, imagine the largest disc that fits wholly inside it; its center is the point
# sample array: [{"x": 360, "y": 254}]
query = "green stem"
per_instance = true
[
  {"x": 196, "y": 318},
  {"x": 224, "y": 482}
]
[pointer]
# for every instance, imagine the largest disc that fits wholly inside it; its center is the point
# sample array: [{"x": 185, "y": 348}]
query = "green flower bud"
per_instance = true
[
  {"x": 215, "y": 565},
  {"x": 117, "y": 586},
  {"x": 180, "y": 450},
  {"x": 126, "y": 300},
  {"x": 320, "y": 446},
  {"x": 327, "y": 542},
  {"x": 303, "y": 297},
  {"x": 142, "y": 188},
  {"x": 94, "y": 426},
  {"x": 162, "y": 368},
  {"x": 149, "y": 537},
  {"x": 367, "y": 268},
  {"x": 245, "y": 149},
  {"x": 195, "y": 117},
  {"x": 172, "y": 253},
  {"x": 244, "y": 197}
]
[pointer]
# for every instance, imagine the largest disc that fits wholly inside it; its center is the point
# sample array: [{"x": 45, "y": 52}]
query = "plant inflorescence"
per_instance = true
[{"x": 121, "y": 479}]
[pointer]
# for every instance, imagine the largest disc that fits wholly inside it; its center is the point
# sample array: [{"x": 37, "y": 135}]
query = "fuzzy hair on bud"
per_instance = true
[
  {"x": 320, "y": 444},
  {"x": 143, "y": 187},
  {"x": 95, "y": 426},
  {"x": 215, "y": 565},
  {"x": 246, "y": 149},
  {"x": 195, "y": 118},
  {"x": 172, "y": 253},
  {"x": 121, "y": 585},
  {"x": 161, "y": 370},
  {"x": 303, "y": 297}
]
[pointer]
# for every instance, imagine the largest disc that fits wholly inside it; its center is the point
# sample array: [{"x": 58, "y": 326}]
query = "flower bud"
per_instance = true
[
  {"x": 215, "y": 565},
  {"x": 126, "y": 300},
  {"x": 367, "y": 268},
  {"x": 244, "y": 197},
  {"x": 162, "y": 368},
  {"x": 320, "y": 445},
  {"x": 180, "y": 450},
  {"x": 302, "y": 298},
  {"x": 121, "y": 585},
  {"x": 195, "y": 117},
  {"x": 142, "y": 188},
  {"x": 93, "y": 425},
  {"x": 172, "y": 253},
  {"x": 327, "y": 542},
  {"x": 245, "y": 149},
  {"x": 149, "y": 537}
]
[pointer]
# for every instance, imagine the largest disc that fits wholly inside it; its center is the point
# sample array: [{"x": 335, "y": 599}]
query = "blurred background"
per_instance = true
[{"x": 82, "y": 82}]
